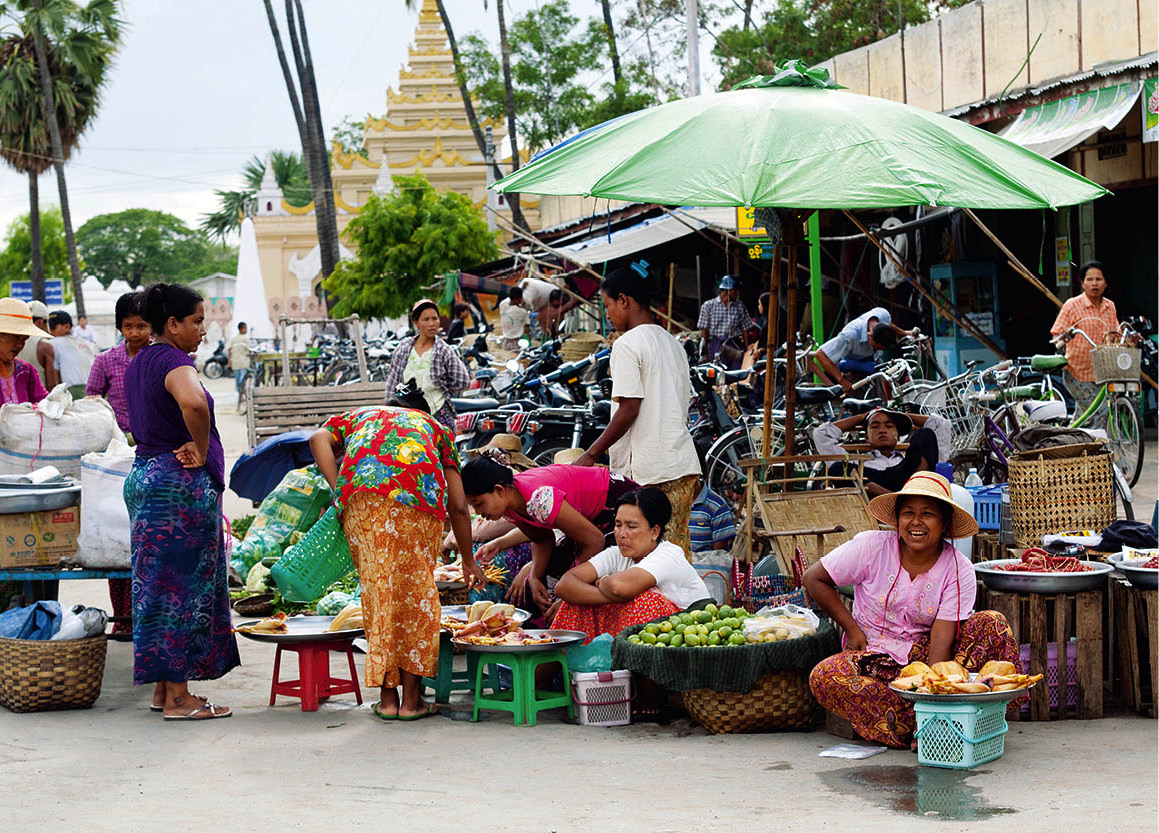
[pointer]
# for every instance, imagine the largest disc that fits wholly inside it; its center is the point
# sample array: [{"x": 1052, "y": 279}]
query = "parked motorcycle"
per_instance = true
[{"x": 217, "y": 365}]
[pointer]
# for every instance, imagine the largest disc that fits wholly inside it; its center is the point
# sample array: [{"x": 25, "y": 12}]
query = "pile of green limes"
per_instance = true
[{"x": 708, "y": 628}]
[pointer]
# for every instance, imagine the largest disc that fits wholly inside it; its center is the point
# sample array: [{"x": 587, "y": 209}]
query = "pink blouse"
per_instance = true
[
  {"x": 546, "y": 488},
  {"x": 871, "y": 562}
]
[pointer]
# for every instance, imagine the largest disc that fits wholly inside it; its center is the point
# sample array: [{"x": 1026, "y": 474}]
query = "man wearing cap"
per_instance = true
[
  {"x": 724, "y": 324},
  {"x": 38, "y": 350},
  {"x": 888, "y": 469},
  {"x": 852, "y": 349}
]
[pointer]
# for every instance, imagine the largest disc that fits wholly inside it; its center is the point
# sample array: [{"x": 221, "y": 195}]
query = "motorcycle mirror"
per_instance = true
[
  {"x": 524, "y": 343},
  {"x": 512, "y": 365}
]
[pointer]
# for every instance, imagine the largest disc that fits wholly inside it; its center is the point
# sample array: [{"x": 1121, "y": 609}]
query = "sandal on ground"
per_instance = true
[
  {"x": 380, "y": 715},
  {"x": 210, "y": 710},
  {"x": 431, "y": 710},
  {"x": 153, "y": 707}
]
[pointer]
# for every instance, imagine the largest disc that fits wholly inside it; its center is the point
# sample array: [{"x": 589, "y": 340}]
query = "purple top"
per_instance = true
[
  {"x": 22, "y": 386},
  {"x": 155, "y": 417},
  {"x": 107, "y": 379}
]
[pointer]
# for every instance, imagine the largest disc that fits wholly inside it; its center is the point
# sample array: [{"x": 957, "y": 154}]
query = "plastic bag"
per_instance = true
[
  {"x": 255, "y": 580},
  {"x": 333, "y": 603},
  {"x": 55, "y": 432},
  {"x": 294, "y": 506},
  {"x": 595, "y": 656},
  {"x": 777, "y": 624},
  {"x": 104, "y": 518}
]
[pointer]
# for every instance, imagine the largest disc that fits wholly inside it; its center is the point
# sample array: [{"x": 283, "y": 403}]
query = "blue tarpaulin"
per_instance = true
[{"x": 37, "y": 621}]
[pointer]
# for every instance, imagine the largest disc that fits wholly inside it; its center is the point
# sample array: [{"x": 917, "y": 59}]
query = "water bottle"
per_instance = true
[{"x": 973, "y": 481}]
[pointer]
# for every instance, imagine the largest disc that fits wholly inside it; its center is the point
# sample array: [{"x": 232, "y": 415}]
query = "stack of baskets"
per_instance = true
[
  {"x": 46, "y": 675},
  {"x": 1058, "y": 489}
]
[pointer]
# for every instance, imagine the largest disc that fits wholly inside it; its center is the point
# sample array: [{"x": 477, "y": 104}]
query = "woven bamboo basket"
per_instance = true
[
  {"x": 1116, "y": 363},
  {"x": 1050, "y": 495},
  {"x": 46, "y": 675},
  {"x": 580, "y": 345},
  {"x": 777, "y": 701}
]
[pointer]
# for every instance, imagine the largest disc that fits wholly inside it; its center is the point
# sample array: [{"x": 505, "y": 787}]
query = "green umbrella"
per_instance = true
[{"x": 794, "y": 140}]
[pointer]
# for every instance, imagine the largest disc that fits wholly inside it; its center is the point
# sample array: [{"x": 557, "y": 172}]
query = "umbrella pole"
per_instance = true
[
  {"x": 771, "y": 347},
  {"x": 791, "y": 350}
]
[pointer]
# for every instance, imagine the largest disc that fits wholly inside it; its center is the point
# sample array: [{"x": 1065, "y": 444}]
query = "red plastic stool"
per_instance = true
[{"x": 314, "y": 682}]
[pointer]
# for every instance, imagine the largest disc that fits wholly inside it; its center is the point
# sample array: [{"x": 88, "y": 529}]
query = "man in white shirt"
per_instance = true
[
  {"x": 852, "y": 349},
  {"x": 237, "y": 354},
  {"x": 83, "y": 330},
  {"x": 73, "y": 357},
  {"x": 38, "y": 352},
  {"x": 888, "y": 469},
  {"x": 647, "y": 439},
  {"x": 514, "y": 319},
  {"x": 536, "y": 293}
]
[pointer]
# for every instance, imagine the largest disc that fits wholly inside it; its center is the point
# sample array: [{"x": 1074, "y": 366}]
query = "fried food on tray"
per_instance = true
[
  {"x": 996, "y": 667},
  {"x": 515, "y": 637},
  {"x": 918, "y": 668},
  {"x": 349, "y": 619},
  {"x": 271, "y": 624},
  {"x": 951, "y": 670},
  {"x": 951, "y": 678},
  {"x": 488, "y": 619}
]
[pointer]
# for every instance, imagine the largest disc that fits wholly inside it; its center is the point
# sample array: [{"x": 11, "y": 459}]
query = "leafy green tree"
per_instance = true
[
  {"x": 16, "y": 257},
  {"x": 140, "y": 246},
  {"x": 814, "y": 30},
  {"x": 350, "y": 134},
  {"x": 290, "y": 175},
  {"x": 89, "y": 36},
  {"x": 404, "y": 240}
]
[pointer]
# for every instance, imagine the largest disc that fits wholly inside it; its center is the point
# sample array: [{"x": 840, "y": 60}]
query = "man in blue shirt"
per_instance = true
[
  {"x": 853, "y": 347},
  {"x": 711, "y": 524}
]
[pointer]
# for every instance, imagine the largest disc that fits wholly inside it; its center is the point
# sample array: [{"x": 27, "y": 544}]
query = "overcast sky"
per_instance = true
[{"x": 197, "y": 90}]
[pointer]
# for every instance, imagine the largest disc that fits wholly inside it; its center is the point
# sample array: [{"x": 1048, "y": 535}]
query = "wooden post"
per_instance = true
[
  {"x": 790, "y": 348},
  {"x": 1014, "y": 262},
  {"x": 671, "y": 286},
  {"x": 285, "y": 352},
  {"x": 360, "y": 350},
  {"x": 771, "y": 345}
]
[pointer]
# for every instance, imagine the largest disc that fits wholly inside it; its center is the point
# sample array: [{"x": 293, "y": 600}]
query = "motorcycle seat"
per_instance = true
[
  {"x": 463, "y": 406},
  {"x": 1046, "y": 363},
  {"x": 818, "y": 394},
  {"x": 731, "y": 377},
  {"x": 862, "y": 406}
]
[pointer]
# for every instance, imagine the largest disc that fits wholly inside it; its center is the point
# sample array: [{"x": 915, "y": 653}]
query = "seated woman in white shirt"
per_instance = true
[{"x": 640, "y": 579}]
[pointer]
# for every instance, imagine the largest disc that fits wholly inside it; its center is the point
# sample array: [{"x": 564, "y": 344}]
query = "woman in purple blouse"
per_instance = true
[
  {"x": 19, "y": 381},
  {"x": 181, "y": 619}
]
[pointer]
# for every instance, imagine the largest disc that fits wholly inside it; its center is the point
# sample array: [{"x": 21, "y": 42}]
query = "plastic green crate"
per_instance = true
[
  {"x": 960, "y": 736},
  {"x": 321, "y": 558}
]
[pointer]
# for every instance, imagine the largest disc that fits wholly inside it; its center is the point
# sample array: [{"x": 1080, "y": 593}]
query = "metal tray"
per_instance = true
[
  {"x": 460, "y": 612},
  {"x": 1009, "y": 582},
  {"x": 303, "y": 629},
  {"x": 1145, "y": 579},
  {"x": 988, "y": 697},
  {"x": 564, "y": 639},
  {"x": 443, "y": 586},
  {"x": 38, "y": 499}
]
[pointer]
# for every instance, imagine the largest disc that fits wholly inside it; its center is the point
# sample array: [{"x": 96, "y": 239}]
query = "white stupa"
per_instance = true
[{"x": 249, "y": 301}]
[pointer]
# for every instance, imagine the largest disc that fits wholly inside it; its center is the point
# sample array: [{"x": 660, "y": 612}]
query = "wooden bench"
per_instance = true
[{"x": 274, "y": 410}]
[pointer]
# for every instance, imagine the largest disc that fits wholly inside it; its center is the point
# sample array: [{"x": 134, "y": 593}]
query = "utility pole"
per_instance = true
[
  {"x": 692, "y": 22},
  {"x": 489, "y": 159}
]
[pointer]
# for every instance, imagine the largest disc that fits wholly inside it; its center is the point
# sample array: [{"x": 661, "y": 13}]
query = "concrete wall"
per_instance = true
[{"x": 979, "y": 50}]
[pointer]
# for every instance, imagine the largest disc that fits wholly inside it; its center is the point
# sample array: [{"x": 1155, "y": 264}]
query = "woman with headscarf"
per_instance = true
[{"x": 436, "y": 368}]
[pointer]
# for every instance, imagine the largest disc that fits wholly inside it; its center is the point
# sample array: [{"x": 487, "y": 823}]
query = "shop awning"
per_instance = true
[
  {"x": 600, "y": 248},
  {"x": 1057, "y": 126}
]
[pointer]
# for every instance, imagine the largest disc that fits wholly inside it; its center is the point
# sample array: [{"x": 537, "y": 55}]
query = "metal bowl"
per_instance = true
[
  {"x": 304, "y": 629},
  {"x": 563, "y": 639},
  {"x": 15, "y": 501},
  {"x": 988, "y": 697},
  {"x": 1014, "y": 582},
  {"x": 460, "y": 612},
  {"x": 1127, "y": 563}
]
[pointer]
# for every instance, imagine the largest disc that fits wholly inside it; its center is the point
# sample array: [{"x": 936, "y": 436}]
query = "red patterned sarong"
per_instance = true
[
  {"x": 596, "y": 619},
  {"x": 855, "y": 684}
]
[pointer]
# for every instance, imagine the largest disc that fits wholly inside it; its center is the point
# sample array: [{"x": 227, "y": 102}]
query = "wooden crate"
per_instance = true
[
  {"x": 1133, "y": 639},
  {"x": 987, "y": 547},
  {"x": 1038, "y": 619}
]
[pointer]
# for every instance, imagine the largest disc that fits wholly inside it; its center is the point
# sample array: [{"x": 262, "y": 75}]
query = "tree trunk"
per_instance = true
[
  {"x": 58, "y": 163},
  {"x": 34, "y": 236},
  {"x": 472, "y": 116},
  {"x": 646, "y": 22},
  {"x": 326, "y": 217},
  {"x": 610, "y": 33},
  {"x": 512, "y": 199},
  {"x": 748, "y": 15}
]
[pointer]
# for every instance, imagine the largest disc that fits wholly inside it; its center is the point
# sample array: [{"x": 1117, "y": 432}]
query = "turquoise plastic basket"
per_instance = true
[
  {"x": 960, "y": 736},
  {"x": 321, "y": 558}
]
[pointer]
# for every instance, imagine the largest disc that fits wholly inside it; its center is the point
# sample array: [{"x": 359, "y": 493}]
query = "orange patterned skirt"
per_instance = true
[
  {"x": 613, "y": 618},
  {"x": 394, "y": 548}
]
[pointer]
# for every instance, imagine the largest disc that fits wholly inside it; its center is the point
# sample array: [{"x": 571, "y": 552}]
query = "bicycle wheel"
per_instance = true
[
  {"x": 1125, "y": 437},
  {"x": 725, "y": 475}
]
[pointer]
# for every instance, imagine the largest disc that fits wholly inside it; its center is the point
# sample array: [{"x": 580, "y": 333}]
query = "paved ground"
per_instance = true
[{"x": 118, "y": 767}]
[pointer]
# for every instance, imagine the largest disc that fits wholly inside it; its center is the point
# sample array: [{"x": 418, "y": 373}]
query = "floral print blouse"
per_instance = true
[{"x": 395, "y": 452}]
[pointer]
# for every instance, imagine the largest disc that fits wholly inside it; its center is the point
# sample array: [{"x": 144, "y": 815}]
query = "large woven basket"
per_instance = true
[
  {"x": 1050, "y": 495},
  {"x": 777, "y": 701},
  {"x": 1116, "y": 363},
  {"x": 46, "y": 675}
]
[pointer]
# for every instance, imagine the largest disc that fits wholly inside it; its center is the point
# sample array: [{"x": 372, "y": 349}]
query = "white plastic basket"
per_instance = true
[{"x": 602, "y": 698}]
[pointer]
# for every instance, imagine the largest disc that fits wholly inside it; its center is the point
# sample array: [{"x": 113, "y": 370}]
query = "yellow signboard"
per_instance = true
[{"x": 746, "y": 224}]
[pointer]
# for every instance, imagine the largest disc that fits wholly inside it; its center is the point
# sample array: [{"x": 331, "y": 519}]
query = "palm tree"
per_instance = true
[
  {"x": 472, "y": 116},
  {"x": 289, "y": 172},
  {"x": 610, "y": 33},
  {"x": 308, "y": 117},
  {"x": 86, "y": 36}
]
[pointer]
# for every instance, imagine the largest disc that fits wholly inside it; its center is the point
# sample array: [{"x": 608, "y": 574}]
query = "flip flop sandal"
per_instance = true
[
  {"x": 204, "y": 707},
  {"x": 380, "y": 715},
  {"x": 153, "y": 707},
  {"x": 432, "y": 710}
]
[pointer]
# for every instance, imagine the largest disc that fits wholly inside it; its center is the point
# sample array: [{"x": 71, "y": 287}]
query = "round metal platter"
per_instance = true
[
  {"x": 988, "y": 697},
  {"x": 38, "y": 499},
  {"x": 443, "y": 586},
  {"x": 460, "y": 612},
  {"x": 1016, "y": 582},
  {"x": 563, "y": 639},
  {"x": 1144, "y": 578},
  {"x": 303, "y": 629}
]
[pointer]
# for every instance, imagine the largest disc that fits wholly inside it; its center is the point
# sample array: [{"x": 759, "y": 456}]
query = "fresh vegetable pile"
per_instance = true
[
  {"x": 1036, "y": 560},
  {"x": 708, "y": 628}
]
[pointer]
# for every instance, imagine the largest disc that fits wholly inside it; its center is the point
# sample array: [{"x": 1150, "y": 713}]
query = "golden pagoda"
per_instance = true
[{"x": 425, "y": 130}]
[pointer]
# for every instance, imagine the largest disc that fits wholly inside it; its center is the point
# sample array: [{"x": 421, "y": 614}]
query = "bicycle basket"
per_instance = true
[{"x": 1116, "y": 363}]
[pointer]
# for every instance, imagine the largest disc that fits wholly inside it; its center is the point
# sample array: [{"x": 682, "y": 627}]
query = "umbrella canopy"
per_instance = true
[
  {"x": 258, "y": 473},
  {"x": 794, "y": 140}
]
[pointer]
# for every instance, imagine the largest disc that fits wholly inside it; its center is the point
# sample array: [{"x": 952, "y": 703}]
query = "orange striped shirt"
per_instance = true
[{"x": 1096, "y": 322}]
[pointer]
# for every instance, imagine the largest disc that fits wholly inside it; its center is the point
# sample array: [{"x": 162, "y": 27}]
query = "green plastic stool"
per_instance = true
[
  {"x": 447, "y": 681},
  {"x": 523, "y": 699}
]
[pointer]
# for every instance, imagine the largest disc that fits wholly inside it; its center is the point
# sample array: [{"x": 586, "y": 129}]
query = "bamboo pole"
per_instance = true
[
  {"x": 791, "y": 351},
  {"x": 1014, "y": 262},
  {"x": 671, "y": 287},
  {"x": 771, "y": 345}
]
